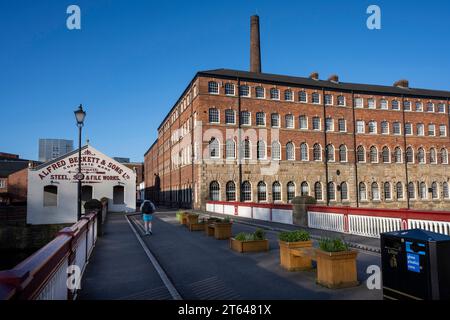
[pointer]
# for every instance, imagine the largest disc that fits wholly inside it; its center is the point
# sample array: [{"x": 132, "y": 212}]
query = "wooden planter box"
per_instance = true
[
  {"x": 184, "y": 218},
  {"x": 209, "y": 229},
  {"x": 192, "y": 219},
  {"x": 292, "y": 262},
  {"x": 222, "y": 230},
  {"x": 336, "y": 269},
  {"x": 249, "y": 246},
  {"x": 197, "y": 226}
]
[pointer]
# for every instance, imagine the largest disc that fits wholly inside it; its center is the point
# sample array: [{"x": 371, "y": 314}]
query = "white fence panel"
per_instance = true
[
  {"x": 434, "y": 226},
  {"x": 326, "y": 221},
  {"x": 228, "y": 209},
  {"x": 261, "y": 213},
  {"x": 210, "y": 207},
  {"x": 244, "y": 211},
  {"x": 368, "y": 226},
  {"x": 56, "y": 287},
  {"x": 282, "y": 216}
]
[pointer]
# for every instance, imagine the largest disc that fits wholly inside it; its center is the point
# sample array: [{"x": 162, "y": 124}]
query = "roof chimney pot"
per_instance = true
[
  {"x": 314, "y": 75},
  {"x": 403, "y": 83},
  {"x": 334, "y": 78}
]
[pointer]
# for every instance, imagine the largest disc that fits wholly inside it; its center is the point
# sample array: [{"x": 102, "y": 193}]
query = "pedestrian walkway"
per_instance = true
[{"x": 119, "y": 267}]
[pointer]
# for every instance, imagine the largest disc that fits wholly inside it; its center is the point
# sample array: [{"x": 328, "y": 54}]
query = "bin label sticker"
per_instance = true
[
  {"x": 415, "y": 248},
  {"x": 413, "y": 261}
]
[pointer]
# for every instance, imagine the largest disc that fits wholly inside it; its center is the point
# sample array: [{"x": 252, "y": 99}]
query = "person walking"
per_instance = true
[{"x": 147, "y": 209}]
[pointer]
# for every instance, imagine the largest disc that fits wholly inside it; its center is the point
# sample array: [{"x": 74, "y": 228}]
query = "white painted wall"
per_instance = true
[{"x": 66, "y": 209}]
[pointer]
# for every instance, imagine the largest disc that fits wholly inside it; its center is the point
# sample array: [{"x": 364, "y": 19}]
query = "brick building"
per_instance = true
[{"x": 342, "y": 143}]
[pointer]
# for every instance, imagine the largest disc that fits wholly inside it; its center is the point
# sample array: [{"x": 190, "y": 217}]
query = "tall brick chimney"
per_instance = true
[{"x": 255, "y": 49}]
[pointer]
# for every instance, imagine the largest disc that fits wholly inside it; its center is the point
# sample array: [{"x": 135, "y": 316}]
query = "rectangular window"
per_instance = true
[
  {"x": 419, "y": 107},
  {"x": 260, "y": 119},
  {"x": 383, "y": 104},
  {"x": 244, "y": 91},
  {"x": 275, "y": 120},
  {"x": 441, "y": 108},
  {"x": 245, "y": 118},
  {"x": 431, "y": 130},
  {"x": 2, "y": 183},
  {"x": 303, "y": 122},
  {"x": 358, "y": 102},
  {"x": 396, "y": 128},
  {"x": 342, "y": 125},
  {"x": 408, "y": 129},
  {"x": 384, "y": 127},
  {"x": 316, "y": 123},
  {"x": 360, "y": 126},
  {"x": 315, "y": 98},
  {"x": 430, "y": 107},
  {"x": 229, "y": 117},
  {"x": 328, "y": 99},
  {"x": 420, "y": 129},
  {"x": 289, "y": 121},
  {"x": 371, "y": 103},
  {"x": 407, "y": 105},
  {"x": 329, "y": 124},
  {"x": 395, "y": 105},
  {"x": 443, "y": 130}
]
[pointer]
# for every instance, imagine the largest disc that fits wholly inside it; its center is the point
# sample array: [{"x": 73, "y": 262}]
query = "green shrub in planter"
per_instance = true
[
  {"x": 294, "y": 236},
  {"x": 259, "y": 234},
  {"x": 333, "y": 245}
]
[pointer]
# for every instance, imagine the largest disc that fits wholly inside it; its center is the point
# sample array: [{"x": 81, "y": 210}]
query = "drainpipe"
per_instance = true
[
  {"x": 326, "y": 145},
  {"x": 404, "y": 153},
  {"x": 192, "y": 193},
  {"x": 239, "y": 145},
  {"x": 355, "y": 154}
]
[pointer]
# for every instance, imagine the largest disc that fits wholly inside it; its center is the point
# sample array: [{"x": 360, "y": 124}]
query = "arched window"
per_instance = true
[
  {"x": 399, "y": 190},
  {"x": 387, "y": 190},
  {"x": 262, "y": 191},
  {"x": 214, "y": 191},
  {"x": 331, "y": 191},
  {"x": 274, "y": 94},
  {"x": 289, "y": 121},
  {"x": 302, "y": 96},
  {"x": 385, "y": 155},
  {"x": 344, "y": 191},
  {"x": 231, "y": 149},
  {"x": 421, "y": 156},
  {"x": 375, "y": 191},
  {"x": 214, "y": 148},
  {"x": 50, "y": 196},
  {"x": 213, "y": 87},
  {"x": 409, "y": 155},
  {"x": 259, "y": 92},
  {"x": 373, "y": 154},
  {"x": 246, "y": 191},
  {"x": 231, "y": 191},
  {"x": 398, "y": 155},
  {"x": 445, "y": 191},
  {"x": 290, "y": 191},
  {"x": 247, "y": 149},
  {"x": 276, "y": 150},
  {"x": 423, "y": 190},
  {"x": 261, "y": 149},
  {"x": 433, "y": 158},
  {"x": 411, "y": 191},
  {"x": 288, "y": 95},
  {"x": 330, "y": 152},
  {"x": 318, "y": 191},
  {"x": 315, "y": 98},
  {"x": 317, "y": 152},
  {"x": 290, "y": 151},
  {"x": 434, "y": 190},
  {"x": 244, "y": 91},
  {"x": 362, "y": 191},
  {"x": 276, "y": 191},
  {"x": 118, "y": 195},
  {"x": 213, "y": 115},
  {"x": 341, "y": 100},
  {"x": 361, "y": 154},
  {"x": 343, "y": 153},
  {"x": 304, "y": 188},
  {"x": 444, "y": 156},
  {"x": 304, "y": 152}
]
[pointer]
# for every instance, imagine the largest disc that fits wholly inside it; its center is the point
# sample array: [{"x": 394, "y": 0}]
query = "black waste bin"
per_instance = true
[{"x": 415, "y": 265}]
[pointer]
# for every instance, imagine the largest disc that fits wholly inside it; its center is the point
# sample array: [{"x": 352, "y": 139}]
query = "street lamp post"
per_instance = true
[{"x": 80, "y": 114}]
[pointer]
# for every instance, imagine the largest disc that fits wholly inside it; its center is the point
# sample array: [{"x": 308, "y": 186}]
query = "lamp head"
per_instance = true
[{"x": 80, "y": 114}]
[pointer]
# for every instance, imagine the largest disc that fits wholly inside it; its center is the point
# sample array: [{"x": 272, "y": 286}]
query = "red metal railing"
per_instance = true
[{"x": 44, "y": 275}]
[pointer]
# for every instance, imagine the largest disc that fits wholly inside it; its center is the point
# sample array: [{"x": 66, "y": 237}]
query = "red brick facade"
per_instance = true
[{"x": 185, "y": 135}]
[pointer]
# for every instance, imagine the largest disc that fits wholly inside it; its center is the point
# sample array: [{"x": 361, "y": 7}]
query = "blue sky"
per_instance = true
[{"x": 132, "y": 59}]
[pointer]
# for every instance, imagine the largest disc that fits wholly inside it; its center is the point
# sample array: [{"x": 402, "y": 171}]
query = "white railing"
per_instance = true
[
  {"x": 56, "y": 287},
  {"x": 434, "y": 226},
  {"x": 326, "y": 221},
  {"x": 368, "y": 226}
]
